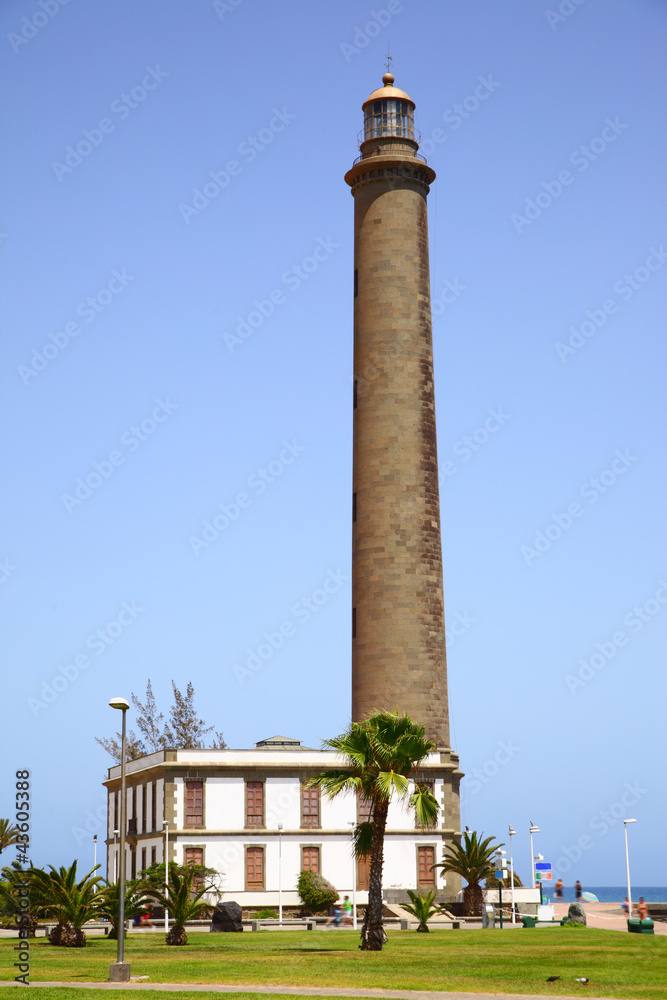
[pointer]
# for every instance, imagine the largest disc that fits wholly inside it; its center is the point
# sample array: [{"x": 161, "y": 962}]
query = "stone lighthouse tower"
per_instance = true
[{"x": 398, "y": 621}]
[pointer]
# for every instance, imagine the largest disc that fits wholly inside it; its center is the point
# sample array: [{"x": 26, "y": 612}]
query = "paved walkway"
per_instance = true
[
  {"x": 309, "y": 991},
  {"x": 608, "y": 916}
]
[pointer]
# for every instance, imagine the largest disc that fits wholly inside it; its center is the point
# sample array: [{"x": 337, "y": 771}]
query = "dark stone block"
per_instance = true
[
  {"x": 227, "y": 917},
  {"x": 576, "y": 914}
]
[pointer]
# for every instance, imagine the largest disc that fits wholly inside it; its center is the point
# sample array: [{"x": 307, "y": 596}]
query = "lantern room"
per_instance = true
[{"x": 389, "y": 113}]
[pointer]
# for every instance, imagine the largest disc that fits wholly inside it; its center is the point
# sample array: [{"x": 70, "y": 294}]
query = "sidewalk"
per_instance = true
[
  {"x": 307, "y": 991},
  {"x": 607, "y": 916}
]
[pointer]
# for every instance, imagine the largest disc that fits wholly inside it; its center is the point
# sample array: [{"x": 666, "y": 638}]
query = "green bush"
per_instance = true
[
  {"x": 266, "y": 915},
  {"x": 316, "y": 894}
]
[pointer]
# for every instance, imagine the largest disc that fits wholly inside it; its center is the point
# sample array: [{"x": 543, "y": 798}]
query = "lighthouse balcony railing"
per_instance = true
[{"x": 379, "y": 152}]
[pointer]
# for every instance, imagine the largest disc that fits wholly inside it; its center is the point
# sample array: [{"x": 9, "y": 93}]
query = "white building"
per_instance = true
[{"x": 248, "y": 814}]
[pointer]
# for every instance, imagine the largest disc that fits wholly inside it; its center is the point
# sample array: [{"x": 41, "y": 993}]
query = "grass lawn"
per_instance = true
[
  {"x": 68, "y": 993},
  {"x": 485, "y": 961}
]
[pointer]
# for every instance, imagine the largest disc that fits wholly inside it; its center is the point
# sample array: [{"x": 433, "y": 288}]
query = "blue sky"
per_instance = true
[{"x": 171, "y": 354}]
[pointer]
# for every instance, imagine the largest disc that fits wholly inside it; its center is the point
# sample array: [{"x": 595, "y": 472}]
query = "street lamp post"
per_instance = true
[
  {"x": 533, "y": 829},
  {"x": 166, "y": 874},
  {"x": 115, "y": 855},
  {"x": 280, "y": 874},
  {"x": 627, "y": 863},
  {"x": 119, "y": 971},
  {"x": 501, "y": 872},
  {"x": 512, "y": 831},
  {"x": 354, "y": 880}
]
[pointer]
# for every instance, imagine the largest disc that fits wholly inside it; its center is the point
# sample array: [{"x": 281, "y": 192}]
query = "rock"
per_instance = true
[
  {"x": 576, "y": 914},
  {"x": 227, "y": 917}
]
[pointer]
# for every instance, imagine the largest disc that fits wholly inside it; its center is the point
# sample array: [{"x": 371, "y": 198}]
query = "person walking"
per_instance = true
[
  {"x": 558, "y": 890},
  {"x": 577, "y": 890},
  {"x": 347, "y": 910},
  {"x": 642, "y": 909},
  {"x": 335, "y": 917}
]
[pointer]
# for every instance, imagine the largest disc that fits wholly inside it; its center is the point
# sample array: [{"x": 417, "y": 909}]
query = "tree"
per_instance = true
[
  {"x": 380, "y": 754},
  {"x": 9, "y": 834},
  {"x": 153, "y": 876},
  {"x": 184, "y": 731},
  {"x": 107, "y": 901},
  {"x": 421, "y": 907},
  {"x": 149, "y": 720},
  {"x": 182, "y": 897},
  {"x": 473, "y": 861},
  {"x": 15, "y": 903},
  {"x": 315, "y": 892},
  {"x": 58, "y": 894}
]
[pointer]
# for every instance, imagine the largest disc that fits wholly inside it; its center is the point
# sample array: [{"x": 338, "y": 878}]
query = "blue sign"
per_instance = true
[{"x": 543, "y": 866}]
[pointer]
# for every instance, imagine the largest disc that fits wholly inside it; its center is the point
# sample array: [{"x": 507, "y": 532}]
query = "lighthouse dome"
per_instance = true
[{"x": 388, "y": 112}]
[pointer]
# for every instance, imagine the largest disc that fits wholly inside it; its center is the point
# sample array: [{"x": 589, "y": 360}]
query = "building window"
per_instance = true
[
  {"x": 143, "y": 859},
  {"x": 144, "y": 808},
  {"x": 254, "y": 803},
  {"x": 133, "y": 865},
  {"x": 114, "y": 813},
  {"x": 153, "y": 855},
  {"x": 310, "y": 859},
  {"x": 154, "y": 805},
  {"x": 194, "y": 803},
  {"x": 194, "y": 855},
  {"x": 254, "y": 868},
  {"x": 364, "y": 808},
  {"x": 133, "y": 807},
  {"x": 430, "y": 785},
  {"x": 310, "y": 806},
  {"x": 425, "y": 858}
]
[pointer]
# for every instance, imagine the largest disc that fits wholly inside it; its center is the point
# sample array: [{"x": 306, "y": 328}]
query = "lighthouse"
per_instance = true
[{"x": 398, "y": 620}]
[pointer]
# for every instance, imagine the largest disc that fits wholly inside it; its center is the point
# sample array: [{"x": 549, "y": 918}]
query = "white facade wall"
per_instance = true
[{"x": 224, "y": 837}]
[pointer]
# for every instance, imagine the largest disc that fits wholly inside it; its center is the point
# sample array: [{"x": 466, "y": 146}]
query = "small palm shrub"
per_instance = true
[
  {"x": 182, "y": 897},
  {"x": 421, "y": 907}
]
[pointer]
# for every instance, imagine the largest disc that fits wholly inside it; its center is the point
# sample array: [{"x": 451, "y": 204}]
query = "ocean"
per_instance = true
[{"x": 612, "y": 893}]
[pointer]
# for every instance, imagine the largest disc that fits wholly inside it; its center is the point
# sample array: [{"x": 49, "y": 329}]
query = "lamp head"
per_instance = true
[
  {"x": 533, "y": 828},
  {"x": 629, "y": 820},
  {"x": 512, "y": 830},
  {"x": 280, "y": 826},
  {"x": 121, "y": 703}
]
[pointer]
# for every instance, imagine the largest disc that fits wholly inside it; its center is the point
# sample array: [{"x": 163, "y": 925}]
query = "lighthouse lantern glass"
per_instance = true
[{"x": 389, "y": 117}]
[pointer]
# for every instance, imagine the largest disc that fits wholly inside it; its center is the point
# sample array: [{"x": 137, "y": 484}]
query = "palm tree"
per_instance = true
[
  {"x": 183, "y": 900},
  {"x": 108, "y": 903},
  {"x": 9, "y": 834},
  {"x": 421, "y": 907},
  {"x": 58, "y": 894},
  {"x": 13, "y": 898},
  {"x": 380, "y": 754},
  {"x": 474, "y": 862}
]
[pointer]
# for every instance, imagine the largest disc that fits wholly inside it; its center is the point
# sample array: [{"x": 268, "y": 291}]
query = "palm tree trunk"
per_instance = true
[
  {"x": 372, "y": 932},
  {"x": 472, "y": 900}
]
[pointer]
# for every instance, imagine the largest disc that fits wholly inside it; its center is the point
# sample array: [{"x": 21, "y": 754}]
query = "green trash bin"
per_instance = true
[
  {"x": 637, "y": 926},
  {"x": 528, "y": 921}
]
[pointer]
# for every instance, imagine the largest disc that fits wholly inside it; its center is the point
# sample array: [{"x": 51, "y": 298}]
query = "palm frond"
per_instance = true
[
  {"x": 425, "y": 805},
  {"x": 362, "y": 839}
]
